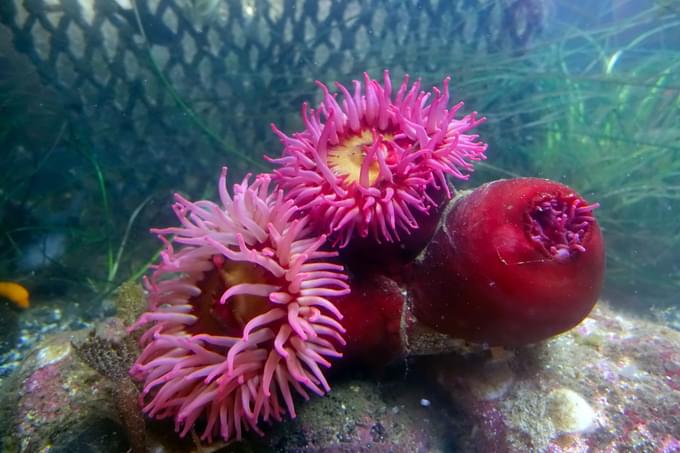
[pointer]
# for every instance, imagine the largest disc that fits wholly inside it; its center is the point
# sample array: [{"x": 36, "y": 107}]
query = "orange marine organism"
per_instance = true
[{"x": 16, "y": 293}]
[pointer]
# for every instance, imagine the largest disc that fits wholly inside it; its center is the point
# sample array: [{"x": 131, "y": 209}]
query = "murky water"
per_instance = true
[{"x": 353, "y": 262}]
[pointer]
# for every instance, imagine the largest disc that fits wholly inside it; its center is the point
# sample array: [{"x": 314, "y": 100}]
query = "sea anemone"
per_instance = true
[
  {"x": 513, "y": 262},
  {"x": 373, "y": 163},
  {"x": 239, "y": 314}
]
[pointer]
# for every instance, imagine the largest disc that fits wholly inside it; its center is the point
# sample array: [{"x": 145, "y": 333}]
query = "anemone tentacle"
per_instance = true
[
  {"x": 364, "y": 164},
  {"x": 240, "y": 316}
]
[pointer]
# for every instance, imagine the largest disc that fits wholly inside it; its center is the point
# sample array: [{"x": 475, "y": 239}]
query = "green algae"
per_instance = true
[
  {"x": 130, "y": 302},
  {"x": 610, "y": 128}
]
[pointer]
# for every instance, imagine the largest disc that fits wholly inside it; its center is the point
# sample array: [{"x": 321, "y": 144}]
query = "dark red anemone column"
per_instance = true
[
  {"x": 372, "y": 315},
  {"x": 513, "y": 262},
  {"x": 380, "y": 326}
]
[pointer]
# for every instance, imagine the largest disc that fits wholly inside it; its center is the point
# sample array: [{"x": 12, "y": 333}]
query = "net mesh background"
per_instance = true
[{"x": 164, "y": 94}]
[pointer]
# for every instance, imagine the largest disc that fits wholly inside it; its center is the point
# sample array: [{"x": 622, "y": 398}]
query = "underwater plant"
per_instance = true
[
  {"x": 239, "y": 314},
  {"x": 376, "y": 163},
  {"x": 597, "y": 106}
]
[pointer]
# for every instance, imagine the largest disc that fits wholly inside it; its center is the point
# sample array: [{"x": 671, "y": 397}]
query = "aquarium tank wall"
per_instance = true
[{"x": 118, "y": 116}]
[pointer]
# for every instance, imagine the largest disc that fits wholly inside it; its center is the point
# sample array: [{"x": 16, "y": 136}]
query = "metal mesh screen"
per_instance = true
[
  {"x": 165, "y": 93},
  {"x": 245, "y": 64}
]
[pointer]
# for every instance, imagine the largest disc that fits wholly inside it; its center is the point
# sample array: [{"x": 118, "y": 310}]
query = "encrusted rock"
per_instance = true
[
  {"x": 55, "y": 401},
  {"x": 611, "y": 384},
  {"x": 367, "y": 416}
]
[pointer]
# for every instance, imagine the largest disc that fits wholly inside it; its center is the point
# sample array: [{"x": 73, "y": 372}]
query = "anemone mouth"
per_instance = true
[
  {"x": 240, "y": 314},
  {"x": 221, "y": 317},
  {"x": 245, "y": 307},
  {"x": 559, "y": 223},
  {"x": 352, "y": 159}
]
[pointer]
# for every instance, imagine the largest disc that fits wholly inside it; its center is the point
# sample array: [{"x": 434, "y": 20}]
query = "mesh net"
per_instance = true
[{"x": 157, "y": 96}]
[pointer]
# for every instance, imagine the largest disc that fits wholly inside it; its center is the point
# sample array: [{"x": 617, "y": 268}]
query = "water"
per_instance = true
[{"x": 111, "y": 107}]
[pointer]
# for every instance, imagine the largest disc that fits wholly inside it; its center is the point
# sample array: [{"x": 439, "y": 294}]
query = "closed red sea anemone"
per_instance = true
[
  {"x": 374, "y": 163},
  {"x": 513, "y": 262},
  {"x": 239, "y": 317}
]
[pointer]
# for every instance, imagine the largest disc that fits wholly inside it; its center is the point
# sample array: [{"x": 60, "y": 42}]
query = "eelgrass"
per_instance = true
[
  {"x": 597, "y": 108},
  {"x": 583, "y": 106},
  {"x": 607, "y": 122}
]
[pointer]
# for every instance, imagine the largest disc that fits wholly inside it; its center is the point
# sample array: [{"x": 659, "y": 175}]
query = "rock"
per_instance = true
[
  {"x": 569, "y": 412},
  {"x": 367, "y": 416},
  {"x": 58, "y": 403},
  {"x": 9, "y": 326},
  {"x": 611, "y": 384},
  {"x": 23, "y": 330},
  {"x": 55, "y": 402}
]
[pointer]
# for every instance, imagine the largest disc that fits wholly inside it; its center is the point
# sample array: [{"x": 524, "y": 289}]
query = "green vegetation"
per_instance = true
[
  {"x": 606, "y": 120},
  {"x": 62, "y": 232},
  {"x": 595, "y": 107}
]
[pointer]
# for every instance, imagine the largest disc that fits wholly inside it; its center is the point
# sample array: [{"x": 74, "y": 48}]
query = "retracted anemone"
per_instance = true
[{"x": 513, "y": 262}]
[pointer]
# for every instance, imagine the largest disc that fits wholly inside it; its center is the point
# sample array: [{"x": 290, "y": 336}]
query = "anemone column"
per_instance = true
[{"x": 512, "y": 262}]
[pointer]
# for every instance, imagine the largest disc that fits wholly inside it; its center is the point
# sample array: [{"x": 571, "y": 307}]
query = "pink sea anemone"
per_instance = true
[
  {"x": 239, "y": 314},
  {"x": 371, "y": 162}
]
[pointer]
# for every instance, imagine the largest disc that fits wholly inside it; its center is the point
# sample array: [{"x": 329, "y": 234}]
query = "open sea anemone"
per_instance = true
[
  {"x": 374, "y": 163},
  {"x": 239, "y": 317}
]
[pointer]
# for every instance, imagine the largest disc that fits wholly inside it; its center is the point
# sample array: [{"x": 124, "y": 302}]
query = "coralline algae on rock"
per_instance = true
[
  {"x": 54, "y": 401},
  {"x": 611, "y": 384}
]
